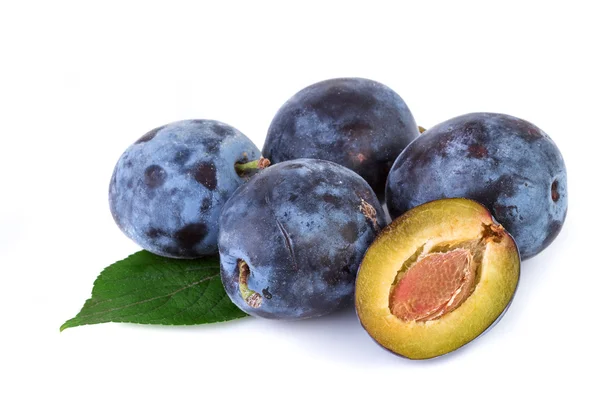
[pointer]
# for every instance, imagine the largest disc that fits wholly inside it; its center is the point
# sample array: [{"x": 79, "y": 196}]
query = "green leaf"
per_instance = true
[{"x": 148, "y": 289}]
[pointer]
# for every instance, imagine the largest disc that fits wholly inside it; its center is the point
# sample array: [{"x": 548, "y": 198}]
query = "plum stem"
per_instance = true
[
  {"x": 252, "y": 166},
  {"x": 421, "y": 129},
  {"x": 251, "y": 298}
]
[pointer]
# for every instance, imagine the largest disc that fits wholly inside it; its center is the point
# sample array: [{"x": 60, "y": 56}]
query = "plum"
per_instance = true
[
  {"x": 507, "y": 164},
  {"x": 291, "y": 239},
  {"x": 436, "y": 278},
  {"x": 168, "y": 188},
  {"x": 358, "y": 123}
]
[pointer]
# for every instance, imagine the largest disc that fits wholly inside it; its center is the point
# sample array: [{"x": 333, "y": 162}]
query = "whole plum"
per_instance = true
[
  {"x": 168, "y": 188},
  {"x": 503, "y": 162},
  {"x": 292, "y": 238},
  {"x": 358, "y": 123}
]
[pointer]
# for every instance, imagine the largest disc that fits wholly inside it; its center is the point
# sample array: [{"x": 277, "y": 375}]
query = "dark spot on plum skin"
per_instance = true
[
  {"x": 336, "y": 103},
  {"x": 222, "y": 131},
  {"x": 487, "y": 196},
  {"x": 331, "y": 199},
  {"x": 174, "y": 250},
  {"x": 190, "y": 235},
  {"x": 266, "y": 293},
  {"x": 477, "y": 151},
  {"x": 350, "y": 232},
  {"x": 205, "y": 173},
  {"x": 292, "y": 197},
  {"x": 334, "y": 275},
  {"x": 423, "y": 156},
  {"x": 212, "y": 145},
  {"x": 534, "y": 132},
  {"x": 154, "y": 233},
  {"x": 501, "y": 211},
  {"x": 182, "y": 156},
  {"x": 206, "y": 203},
  {"x": 149, "y": 136},
  {"x": 554, "y": 191},
  {"x": 530, "y": 131},
  {"x": 475, "y": 129},
  {"x": 331, "y": 277},
  {"x": 154, "y": 176}
]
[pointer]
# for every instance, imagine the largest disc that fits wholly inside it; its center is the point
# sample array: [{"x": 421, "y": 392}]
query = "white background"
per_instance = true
[{"x": 80, "y": 82}]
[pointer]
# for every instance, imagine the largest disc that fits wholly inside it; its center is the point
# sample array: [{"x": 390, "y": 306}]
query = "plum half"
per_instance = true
[{"x": 436, "y": 278}]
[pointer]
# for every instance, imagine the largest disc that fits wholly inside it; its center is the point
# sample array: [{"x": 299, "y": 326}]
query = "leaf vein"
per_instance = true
[{"x": 151, "y": 299}]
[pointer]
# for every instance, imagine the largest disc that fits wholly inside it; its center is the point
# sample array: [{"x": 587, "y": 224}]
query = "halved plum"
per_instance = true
[{"x": 436, "y": 278}]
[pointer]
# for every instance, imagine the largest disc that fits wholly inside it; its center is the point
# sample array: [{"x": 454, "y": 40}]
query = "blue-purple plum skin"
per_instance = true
[
  {"x": 358, "y": 123},
  {"x": 168, "y": 188},
  {"x": 302, "y": 227},
  {"x": 506, "y": 163}
]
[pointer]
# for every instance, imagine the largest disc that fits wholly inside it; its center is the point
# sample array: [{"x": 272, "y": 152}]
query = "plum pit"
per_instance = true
[
  {"x": 433, "y": 283},
  {"x": 436, "y": 284}
]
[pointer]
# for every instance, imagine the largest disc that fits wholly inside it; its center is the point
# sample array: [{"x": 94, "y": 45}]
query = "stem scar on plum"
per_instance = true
[
  {"x": 370, "y": 213},
  {"x": 492, "y": 232},
  {"x": 252, "y": 298}
]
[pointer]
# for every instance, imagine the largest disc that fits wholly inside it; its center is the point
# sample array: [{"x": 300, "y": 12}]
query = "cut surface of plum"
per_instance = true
[{"x": 436, "y": 278}]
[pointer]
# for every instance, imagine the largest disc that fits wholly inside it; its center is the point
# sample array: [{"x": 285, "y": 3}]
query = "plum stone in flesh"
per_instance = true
[{"x": 436, "y": 278}]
